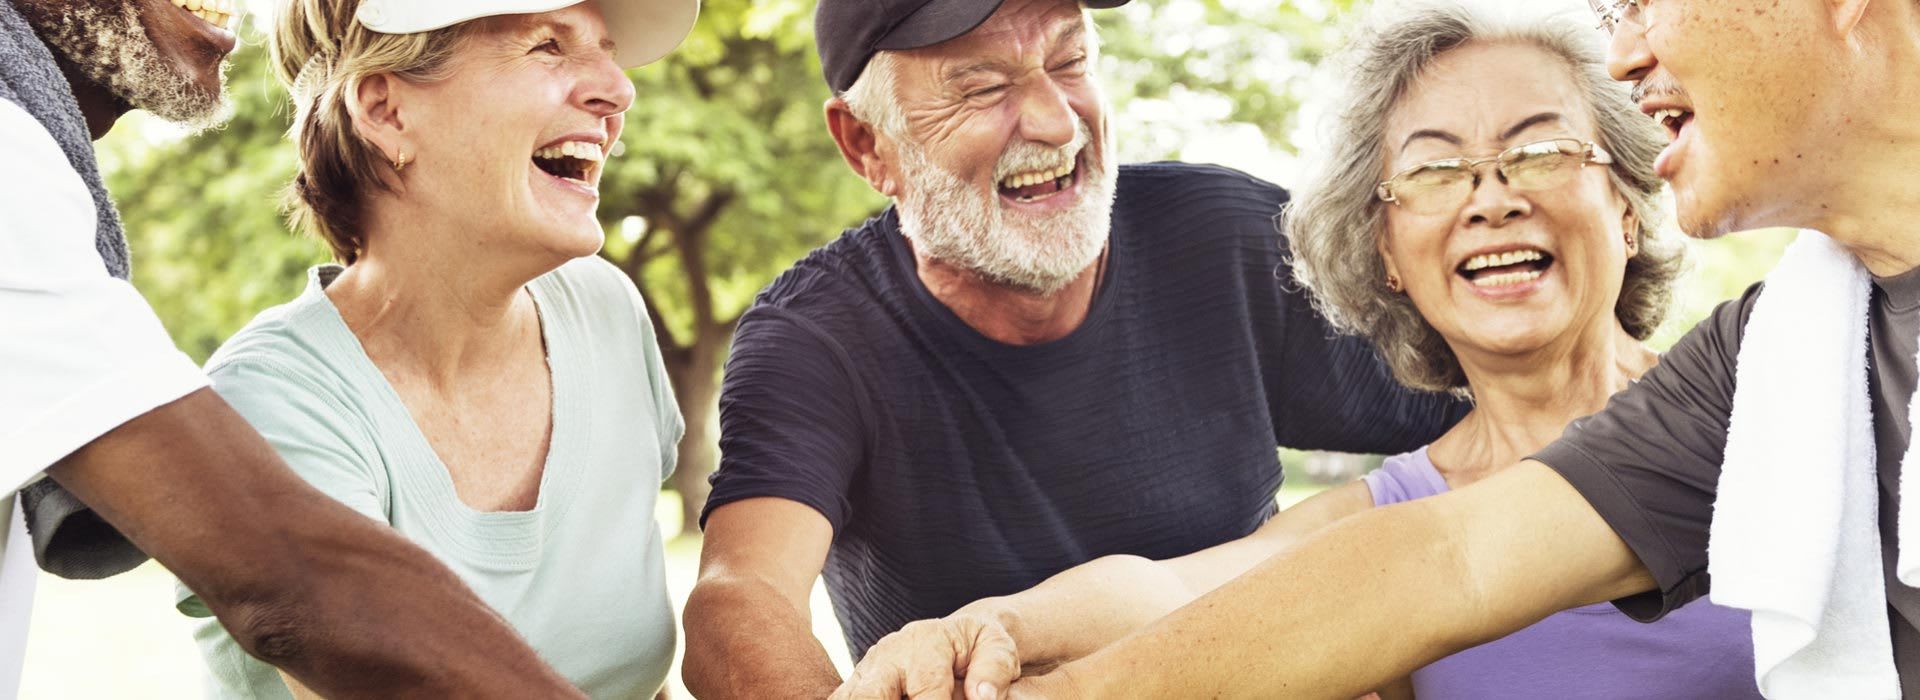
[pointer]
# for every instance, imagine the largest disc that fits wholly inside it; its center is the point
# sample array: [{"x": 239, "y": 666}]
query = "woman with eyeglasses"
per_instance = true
[{"x": 1488, "y": 217}]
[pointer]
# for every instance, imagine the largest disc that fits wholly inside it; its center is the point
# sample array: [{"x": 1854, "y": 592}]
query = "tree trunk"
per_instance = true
[{"x": 696, "y": 384}]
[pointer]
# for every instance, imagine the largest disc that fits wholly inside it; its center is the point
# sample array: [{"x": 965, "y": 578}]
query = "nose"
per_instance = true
[
  {"x": 1495, "y": 204},
  {"x": 604, "y": 88},
  {"x": 1045, "y": 114},
  {"x": 1628, "y": 57}
]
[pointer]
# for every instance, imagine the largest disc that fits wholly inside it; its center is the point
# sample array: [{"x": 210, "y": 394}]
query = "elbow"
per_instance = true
[{"x": 272, "y": 628}]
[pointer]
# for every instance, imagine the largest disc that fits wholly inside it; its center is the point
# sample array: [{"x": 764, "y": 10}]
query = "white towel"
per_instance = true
[{"x": 1795, "y": 534}]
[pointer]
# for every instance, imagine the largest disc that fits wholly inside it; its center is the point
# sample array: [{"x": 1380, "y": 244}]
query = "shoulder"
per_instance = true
[
  {"x": 38, "y": 181},
  {"x": 845, "y": 279},
  {"x": 1194, "y": 184},
  {"x": 23, "y": 137},
  {"x": 288, "y": 354},
  {"x": 1405, "y": 477},
  {"x": 1191, "y": 204}
]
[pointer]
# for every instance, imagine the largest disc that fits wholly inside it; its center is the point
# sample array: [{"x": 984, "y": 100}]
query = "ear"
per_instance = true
[
  {"x": 1630, "y": 225},
  {"x": 862, "y": 147},
  {"x": 377, "y": 117},
  {"x": 1847, "y": 15},
  {"x": 1386, "y": 257}
]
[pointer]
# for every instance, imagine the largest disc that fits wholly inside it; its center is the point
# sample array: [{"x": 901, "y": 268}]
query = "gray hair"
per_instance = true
[
  {"x": 1327, "y": 219},
  {"x": 874, "y": 96}
]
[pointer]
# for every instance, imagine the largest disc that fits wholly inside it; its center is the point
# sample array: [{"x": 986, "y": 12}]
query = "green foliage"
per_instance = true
[{"x": 202, "y": 213}]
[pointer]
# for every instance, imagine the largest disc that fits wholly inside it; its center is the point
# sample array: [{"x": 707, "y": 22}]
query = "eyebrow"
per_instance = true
[
  {"x": 569, "y": 31},
  {"x": 1512, "y": 131},
  {"x": 1530, "y": 122}
]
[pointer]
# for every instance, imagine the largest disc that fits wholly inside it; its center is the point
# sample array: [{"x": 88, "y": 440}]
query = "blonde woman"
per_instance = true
[{"x": 470, "y": 373}]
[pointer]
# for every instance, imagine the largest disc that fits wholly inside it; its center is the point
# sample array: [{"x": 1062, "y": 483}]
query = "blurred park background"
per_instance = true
[{"x": 728, "y": 177}]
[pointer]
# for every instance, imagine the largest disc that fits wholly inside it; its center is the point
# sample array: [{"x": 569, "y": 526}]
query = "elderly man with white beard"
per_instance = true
[{"x": 1034, "y": 358}]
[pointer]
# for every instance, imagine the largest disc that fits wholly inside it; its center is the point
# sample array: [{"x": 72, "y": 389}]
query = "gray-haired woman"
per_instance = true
[{"x": 1487, "y": 217}]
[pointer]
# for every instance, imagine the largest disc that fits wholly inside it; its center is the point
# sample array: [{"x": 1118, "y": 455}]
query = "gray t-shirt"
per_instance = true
[
  {"x": 1651, "y": 461},
  {"x": 580, "y": 575}
]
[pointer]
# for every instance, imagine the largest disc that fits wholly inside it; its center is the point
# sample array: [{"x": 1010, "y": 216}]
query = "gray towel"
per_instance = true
[{"x": 69, "y": 539}]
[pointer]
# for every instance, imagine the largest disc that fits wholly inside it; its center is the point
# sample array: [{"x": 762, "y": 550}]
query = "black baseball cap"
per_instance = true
[{"x": 849, "y": 32}]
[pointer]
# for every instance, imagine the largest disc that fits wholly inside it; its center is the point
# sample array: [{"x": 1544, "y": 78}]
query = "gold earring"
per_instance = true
[
  {"x": 400, "y": 163},
  {"x": 1393, "y": 283}
]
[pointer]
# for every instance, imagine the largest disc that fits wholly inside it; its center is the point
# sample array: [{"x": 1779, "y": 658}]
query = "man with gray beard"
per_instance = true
[
  {"x": 1033, "y": 359},
  {"x": 120, "y": 446}
]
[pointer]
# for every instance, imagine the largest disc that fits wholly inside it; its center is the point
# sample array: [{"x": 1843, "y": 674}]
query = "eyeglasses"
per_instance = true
[
  {"x": 1443, "y": 185},
  {"x": 1613, "y": 13}
]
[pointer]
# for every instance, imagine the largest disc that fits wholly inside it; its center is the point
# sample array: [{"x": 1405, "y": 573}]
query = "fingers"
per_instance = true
[{"x": 992, "y": 662}]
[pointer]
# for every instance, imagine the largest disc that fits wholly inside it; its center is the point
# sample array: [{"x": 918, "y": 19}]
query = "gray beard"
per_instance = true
[
  {"x": 950, "y": 220},
  {"x": 109, "y": 46}
]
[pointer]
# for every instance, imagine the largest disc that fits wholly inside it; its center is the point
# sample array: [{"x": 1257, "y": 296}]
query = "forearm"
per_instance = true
[
  {"x": 1085, "y": 608},
  {"x": 1295, "y": 625},
  {"x": 342, "y": 603},
  {"x": 746, "y": 640},
  {"x": 1378, "y": 594}
]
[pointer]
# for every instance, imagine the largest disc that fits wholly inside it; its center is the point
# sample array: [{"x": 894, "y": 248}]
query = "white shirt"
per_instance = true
[{"x": 80, "y": 351}]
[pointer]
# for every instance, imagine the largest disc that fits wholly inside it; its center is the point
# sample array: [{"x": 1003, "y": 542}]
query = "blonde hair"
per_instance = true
[{"x": 321, "y": 53}]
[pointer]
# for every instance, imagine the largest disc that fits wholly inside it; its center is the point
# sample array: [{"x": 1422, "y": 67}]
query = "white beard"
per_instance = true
[
  {"x": 951, "y": 220},
  {"x": 110, "y": 46}
]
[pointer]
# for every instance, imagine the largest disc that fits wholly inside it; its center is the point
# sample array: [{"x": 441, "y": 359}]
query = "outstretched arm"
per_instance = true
[
  {"x": 990, "y": 642},
  {"x": 1438, "y": 575},
  {"x": 338, "y": 601}
]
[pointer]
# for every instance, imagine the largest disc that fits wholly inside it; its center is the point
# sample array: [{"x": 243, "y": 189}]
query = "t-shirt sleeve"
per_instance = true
[
  {"x": 80, "y": 351},
  {"x": 1650, "y": 462},
  {"x": 791, "y": 423},
  {"x": 312, "y": 431},
  {"x": 1332, "y": 392}
]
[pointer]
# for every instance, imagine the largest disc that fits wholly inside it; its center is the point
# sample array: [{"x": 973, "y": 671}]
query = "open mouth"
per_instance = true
[
  {"x": 1505, "y": 269},
  {"x": 218, "y": 13},
  {"x": 1036, "y": 185},
  {"x": 1673, "y": 119},
  {"x": 574, "y": 161}
]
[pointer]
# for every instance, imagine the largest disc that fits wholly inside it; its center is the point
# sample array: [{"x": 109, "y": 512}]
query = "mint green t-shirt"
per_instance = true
[{"x": 580, "y": 576}]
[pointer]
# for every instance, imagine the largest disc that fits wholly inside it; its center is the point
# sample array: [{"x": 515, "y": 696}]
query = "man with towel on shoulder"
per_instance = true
[
  {"x": 1765, "y": 452},
  {"x": 96, "y": 398}
]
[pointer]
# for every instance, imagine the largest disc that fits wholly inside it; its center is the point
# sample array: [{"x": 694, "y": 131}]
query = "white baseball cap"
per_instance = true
[{"x": 643, "y": 30}]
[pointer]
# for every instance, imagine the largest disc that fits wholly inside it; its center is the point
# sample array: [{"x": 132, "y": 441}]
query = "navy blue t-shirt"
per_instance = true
[{"x": 954, "y": 467}]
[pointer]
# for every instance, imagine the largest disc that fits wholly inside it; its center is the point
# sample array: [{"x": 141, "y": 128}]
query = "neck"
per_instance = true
[
  {"x": 420, "y": 310},
  {"x": 1869, "y": 204},
  {"x": 1005, "y": 314},
  {"x": 1523, "y": 402},
  {"x": 98, "y": 104}
]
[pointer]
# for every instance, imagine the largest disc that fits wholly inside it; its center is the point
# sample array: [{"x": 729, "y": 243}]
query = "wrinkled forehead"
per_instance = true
[{"x": 1484, "y": 97}]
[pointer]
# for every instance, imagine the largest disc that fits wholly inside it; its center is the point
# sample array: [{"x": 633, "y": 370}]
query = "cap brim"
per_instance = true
[
  {"x": 936, "y": 22},
  {"x": 643, "y": 31}
]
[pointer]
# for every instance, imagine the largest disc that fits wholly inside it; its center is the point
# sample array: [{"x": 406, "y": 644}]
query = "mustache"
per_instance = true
[
  {"x": 1027, "y": 155},
  {"x": 1656, "y": 87}
]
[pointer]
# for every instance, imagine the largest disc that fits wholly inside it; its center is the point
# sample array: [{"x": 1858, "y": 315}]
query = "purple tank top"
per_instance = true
[{"x": 1700, "y": 650}]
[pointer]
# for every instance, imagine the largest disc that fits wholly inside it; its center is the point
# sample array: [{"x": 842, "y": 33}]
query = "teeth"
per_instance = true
[
  {"x": 1481, "y": 262},
  {"x": 1669, "y": 113},
  {"x": 1036, "y": 177},
  {"x": 1506, "y": 279},
  {"x": 572, "y": 149}
]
